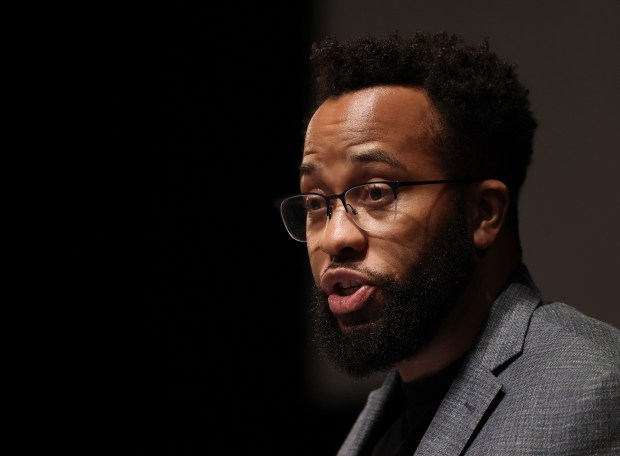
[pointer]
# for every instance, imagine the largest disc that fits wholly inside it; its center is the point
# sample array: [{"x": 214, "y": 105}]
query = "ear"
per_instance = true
[{"x": 489, "y": 201}]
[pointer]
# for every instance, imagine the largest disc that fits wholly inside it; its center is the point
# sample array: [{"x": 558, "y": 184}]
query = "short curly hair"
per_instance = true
[{"x": 486, "y": 127}]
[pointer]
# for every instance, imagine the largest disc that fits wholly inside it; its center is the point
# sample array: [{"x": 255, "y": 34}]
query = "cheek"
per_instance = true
[
  {"x": 396, "y": 253},
  {"x": 318, "y": 262},
  {"x": 393, "y": 257}
]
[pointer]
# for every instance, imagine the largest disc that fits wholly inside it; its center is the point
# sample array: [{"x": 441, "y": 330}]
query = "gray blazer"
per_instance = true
[{"x": 541, "y": 379}]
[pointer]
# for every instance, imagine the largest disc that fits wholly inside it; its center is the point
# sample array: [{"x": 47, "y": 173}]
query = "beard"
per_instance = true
[{"x": 413, "y": 310}]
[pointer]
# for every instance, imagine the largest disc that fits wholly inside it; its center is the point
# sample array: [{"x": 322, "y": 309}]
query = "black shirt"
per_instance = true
[{"x": 420, "y": 401}]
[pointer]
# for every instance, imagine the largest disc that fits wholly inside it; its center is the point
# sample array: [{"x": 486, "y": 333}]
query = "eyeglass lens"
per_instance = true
[{"x": 367, "y": 205}]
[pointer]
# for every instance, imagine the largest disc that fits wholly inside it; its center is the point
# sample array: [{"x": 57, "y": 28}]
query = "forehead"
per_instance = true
[{"x": 385, "y": 127}]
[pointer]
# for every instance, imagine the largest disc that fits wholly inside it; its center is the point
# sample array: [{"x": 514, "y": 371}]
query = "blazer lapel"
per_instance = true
[
  {"x": 476, "y": 389},
  {"x": 470, "y": 396},
  {"x": 374, "y": 411}
]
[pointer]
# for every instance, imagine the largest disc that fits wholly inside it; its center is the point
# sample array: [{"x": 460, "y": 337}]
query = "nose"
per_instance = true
[{"x": 341, "y": 233}]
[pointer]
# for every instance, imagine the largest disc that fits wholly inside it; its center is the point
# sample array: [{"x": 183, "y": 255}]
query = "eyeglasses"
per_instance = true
[{"x": 371, "y": 206}]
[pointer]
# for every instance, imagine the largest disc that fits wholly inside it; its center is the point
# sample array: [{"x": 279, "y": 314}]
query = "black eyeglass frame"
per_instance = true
[{"x": 394, "y": 185}]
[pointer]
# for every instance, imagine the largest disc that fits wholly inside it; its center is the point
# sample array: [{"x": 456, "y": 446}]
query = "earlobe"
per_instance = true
[{"x": 491, "y": 200}]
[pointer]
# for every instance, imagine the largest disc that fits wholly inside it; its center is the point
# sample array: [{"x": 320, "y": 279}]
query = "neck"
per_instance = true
[{"x": 458, "y": 332}]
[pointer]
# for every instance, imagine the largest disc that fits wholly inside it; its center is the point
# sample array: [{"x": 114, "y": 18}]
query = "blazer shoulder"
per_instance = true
[
  {"x": 563, "y": 343},
  {"x": 559, "y": 324},
  {"x": 561, "y": 394}
]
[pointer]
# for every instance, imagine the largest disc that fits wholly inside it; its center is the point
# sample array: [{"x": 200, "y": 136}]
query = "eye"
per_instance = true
[
  {"x": 371, "y": 196},
  {"x": 314, "y": 203},
  {"x": 376, "y": 192}
]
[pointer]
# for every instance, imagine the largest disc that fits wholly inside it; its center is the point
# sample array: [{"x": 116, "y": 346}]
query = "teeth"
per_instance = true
[{"x": 350, "y": 284}]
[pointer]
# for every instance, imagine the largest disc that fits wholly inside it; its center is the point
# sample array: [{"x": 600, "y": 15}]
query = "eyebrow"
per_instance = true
[{"x": 371, "y": 156}]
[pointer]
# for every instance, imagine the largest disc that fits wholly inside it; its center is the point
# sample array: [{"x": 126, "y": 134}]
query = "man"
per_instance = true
[{"x": 413, "y": 159}]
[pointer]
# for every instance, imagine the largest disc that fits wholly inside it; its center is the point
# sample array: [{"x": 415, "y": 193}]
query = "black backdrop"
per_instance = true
[{"x": 196, "y": 291}]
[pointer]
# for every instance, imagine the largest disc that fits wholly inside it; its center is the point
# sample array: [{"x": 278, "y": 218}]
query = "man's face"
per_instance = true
[{"x": 381, "y": 295}]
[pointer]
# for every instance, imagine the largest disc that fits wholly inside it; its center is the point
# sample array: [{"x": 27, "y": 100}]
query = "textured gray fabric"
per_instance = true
[{"x": 541, "y": 379}]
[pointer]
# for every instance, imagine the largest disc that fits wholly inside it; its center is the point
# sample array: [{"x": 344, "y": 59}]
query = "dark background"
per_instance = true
[
  {"x": 184, "y": 280},
  {"x": 196, "y": 291}
]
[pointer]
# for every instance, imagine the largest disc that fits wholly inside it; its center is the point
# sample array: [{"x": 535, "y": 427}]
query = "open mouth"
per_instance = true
[{"x": 347, "y": 288}]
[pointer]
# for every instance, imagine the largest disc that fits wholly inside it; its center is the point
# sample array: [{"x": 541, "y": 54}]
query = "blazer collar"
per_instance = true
[
  {"x": 476, "y": 387},
  {"x": 503, "y": 334}
]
